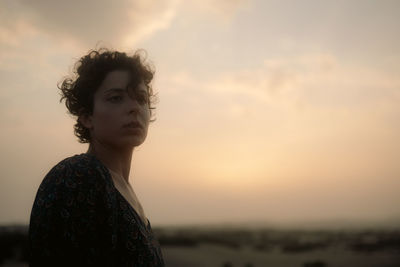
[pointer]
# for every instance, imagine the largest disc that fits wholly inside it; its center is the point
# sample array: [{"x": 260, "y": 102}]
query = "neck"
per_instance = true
[{"x": 118, "y": 160}]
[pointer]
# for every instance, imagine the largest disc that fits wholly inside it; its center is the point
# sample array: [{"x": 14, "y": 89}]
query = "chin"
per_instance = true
[
  {"x": 132, "y": 142},
  {"x": 126, "y": 141}
]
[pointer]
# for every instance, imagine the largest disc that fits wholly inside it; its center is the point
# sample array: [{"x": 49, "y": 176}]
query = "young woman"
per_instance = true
[{"x": 86, "y": 212}]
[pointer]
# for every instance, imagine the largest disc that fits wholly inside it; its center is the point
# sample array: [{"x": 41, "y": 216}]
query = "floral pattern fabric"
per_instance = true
[{"x": 79, "y": 218}]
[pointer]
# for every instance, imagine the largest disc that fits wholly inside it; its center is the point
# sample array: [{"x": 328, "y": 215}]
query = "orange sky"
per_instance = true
[{"x": 275, "y": 111}]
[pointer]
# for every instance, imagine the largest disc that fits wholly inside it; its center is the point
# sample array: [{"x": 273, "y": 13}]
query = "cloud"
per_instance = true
[
  {"x": 222, "y": 9},
  {"x": 119, "y": 23},
  {"x": 290, "y": 102},
  {"x": 279, "y": 81},
  {"x": 318, "y": 80},
  {"x": 87, "y": 22}
]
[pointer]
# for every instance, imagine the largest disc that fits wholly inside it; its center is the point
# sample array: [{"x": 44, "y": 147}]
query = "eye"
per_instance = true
[{"x": 115, "y": 99}]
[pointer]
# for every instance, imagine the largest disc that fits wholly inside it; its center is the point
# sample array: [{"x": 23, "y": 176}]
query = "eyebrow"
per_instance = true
[
  {"x": 114, "y": 90},
  {"x": 124, "y": 90}
]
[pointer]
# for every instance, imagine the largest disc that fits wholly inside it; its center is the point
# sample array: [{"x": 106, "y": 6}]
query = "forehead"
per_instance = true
[{"x": 119, "y": 79}]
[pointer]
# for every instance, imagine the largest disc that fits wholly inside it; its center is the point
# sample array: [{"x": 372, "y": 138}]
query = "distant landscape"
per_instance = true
[{"x": 250, "y": 247}]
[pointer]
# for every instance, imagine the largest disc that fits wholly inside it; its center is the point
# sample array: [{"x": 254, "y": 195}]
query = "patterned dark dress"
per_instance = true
[{"x": 79, "y": 218}]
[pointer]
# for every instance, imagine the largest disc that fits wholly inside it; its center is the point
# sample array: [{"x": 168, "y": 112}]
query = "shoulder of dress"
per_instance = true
[{"x": 81, "y": 169}]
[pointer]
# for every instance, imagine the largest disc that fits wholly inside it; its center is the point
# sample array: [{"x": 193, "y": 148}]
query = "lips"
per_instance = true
[{"x": 132, "y": 125}]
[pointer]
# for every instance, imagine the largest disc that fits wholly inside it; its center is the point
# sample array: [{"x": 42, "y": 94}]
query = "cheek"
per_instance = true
[
  {"x": 146, "y": 114},
  {"x": 145, "y": 118},
  {"x": 106, "y": 121}
]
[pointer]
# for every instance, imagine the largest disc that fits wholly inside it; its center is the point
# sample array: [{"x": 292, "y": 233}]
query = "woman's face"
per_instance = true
[{"x": 121, "y": 114}]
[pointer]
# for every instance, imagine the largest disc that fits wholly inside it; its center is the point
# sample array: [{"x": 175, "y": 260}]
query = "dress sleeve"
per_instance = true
[{"x": 69, "y": 223}]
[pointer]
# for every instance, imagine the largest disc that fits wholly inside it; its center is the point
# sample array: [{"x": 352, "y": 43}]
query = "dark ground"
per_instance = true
[{"x": 229, "y": 247}]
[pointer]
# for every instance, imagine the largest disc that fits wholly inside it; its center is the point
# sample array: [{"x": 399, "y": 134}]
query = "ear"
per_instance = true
[{"x": 86, "y": 120}]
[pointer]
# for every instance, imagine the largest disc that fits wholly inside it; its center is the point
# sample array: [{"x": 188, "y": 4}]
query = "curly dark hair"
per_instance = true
[{"x": 89, "y": 72}]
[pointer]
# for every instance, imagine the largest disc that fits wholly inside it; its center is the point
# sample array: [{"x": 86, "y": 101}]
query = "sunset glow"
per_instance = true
[{"x": 276, "y": 111}]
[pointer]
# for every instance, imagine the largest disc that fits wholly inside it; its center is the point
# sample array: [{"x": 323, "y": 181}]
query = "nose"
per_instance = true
[{"x": 132, "y": 105}]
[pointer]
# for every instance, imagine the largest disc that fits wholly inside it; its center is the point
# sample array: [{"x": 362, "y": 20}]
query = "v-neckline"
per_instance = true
[
  {"x": 146, "y": 226},
  {"x": 133, "y": 208}
]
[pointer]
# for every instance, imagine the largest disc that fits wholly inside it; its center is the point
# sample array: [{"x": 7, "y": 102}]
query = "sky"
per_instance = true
[{"x": 268, "y": 111}]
